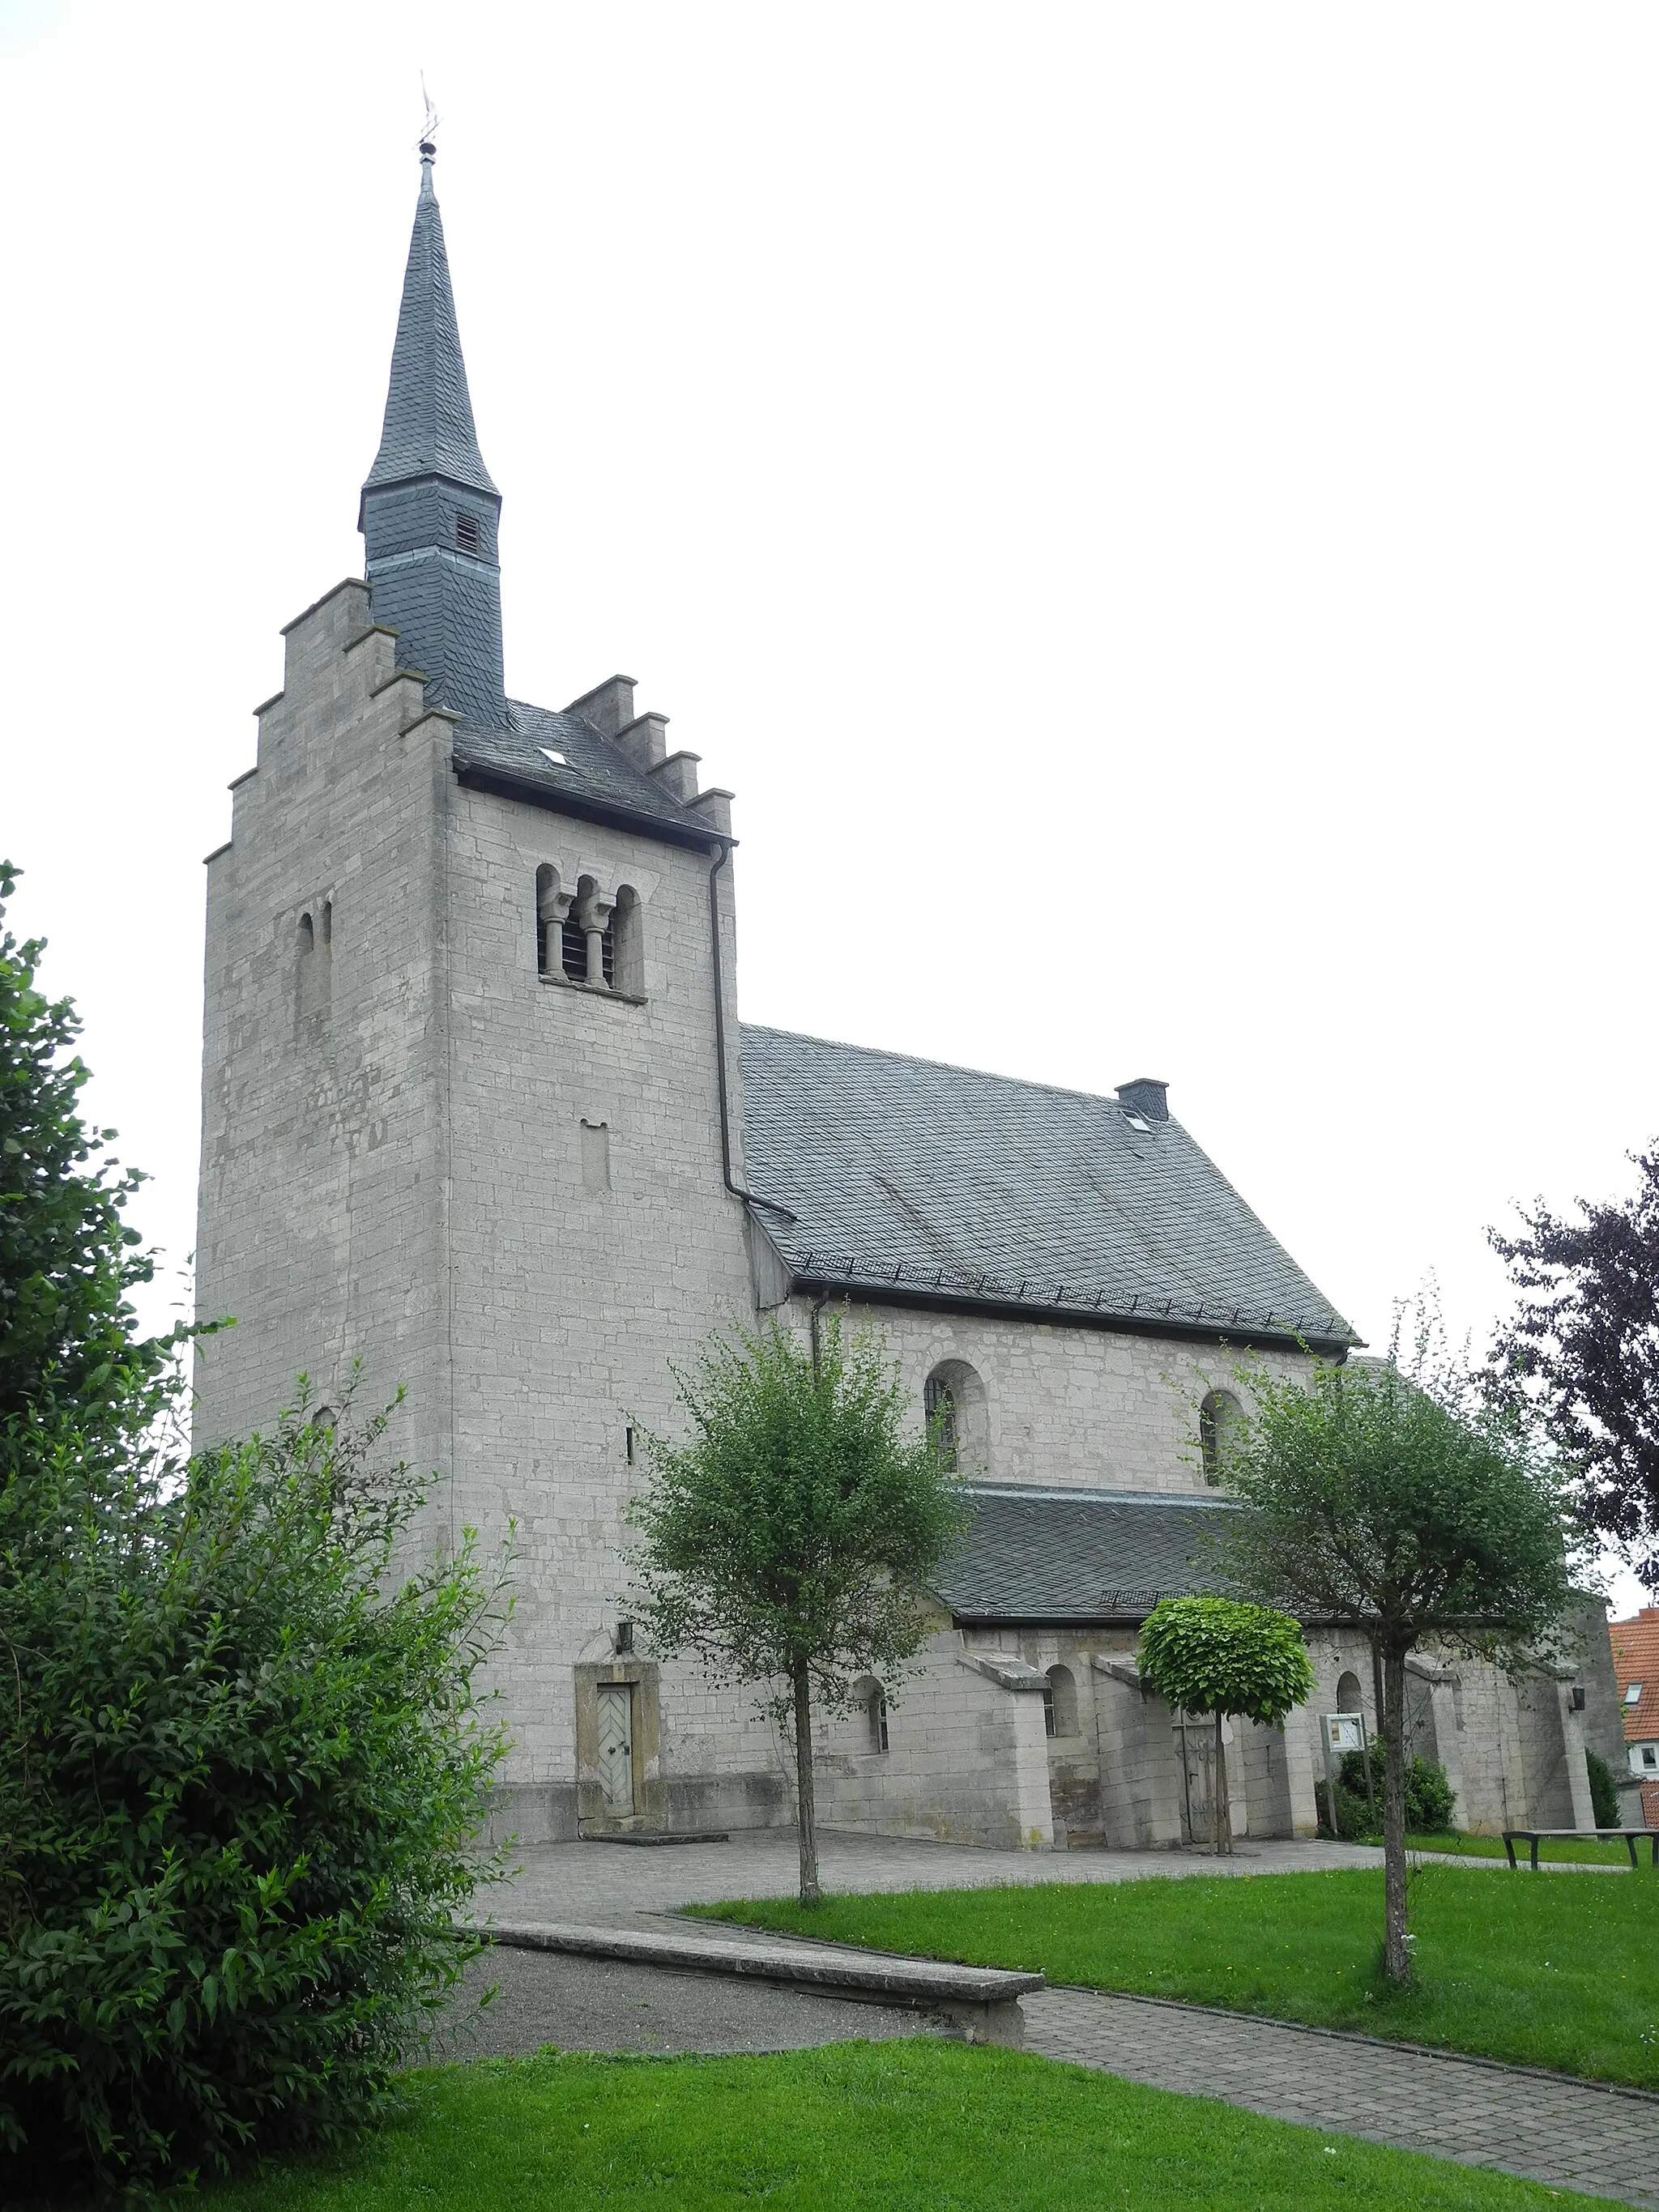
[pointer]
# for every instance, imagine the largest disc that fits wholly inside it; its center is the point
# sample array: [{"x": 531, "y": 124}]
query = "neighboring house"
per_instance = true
[
  {"x": 477, "y": 1112},
  {"x": 1636, "y": 1669}
]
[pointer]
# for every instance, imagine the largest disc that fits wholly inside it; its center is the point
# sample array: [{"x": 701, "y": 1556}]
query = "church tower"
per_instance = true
[{"x": 471, "y": 1107}]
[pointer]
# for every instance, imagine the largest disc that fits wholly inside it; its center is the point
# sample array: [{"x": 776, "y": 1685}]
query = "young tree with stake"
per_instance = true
[
  {"x": 1213, "y": 1655},
  {"x": 1408, "y": 1504},
  {"x": 789, "y": 1541}
]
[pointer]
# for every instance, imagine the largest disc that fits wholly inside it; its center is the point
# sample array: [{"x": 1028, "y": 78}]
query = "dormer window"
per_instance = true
[{"x": 466, "y": 532}]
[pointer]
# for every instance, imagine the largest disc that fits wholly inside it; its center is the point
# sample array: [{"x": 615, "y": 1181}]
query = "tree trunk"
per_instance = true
[
  {"x": 1224, "y": 1816},
  {"x": 805, "y": 1822},
  {"x": 1396, "y": 1943}
]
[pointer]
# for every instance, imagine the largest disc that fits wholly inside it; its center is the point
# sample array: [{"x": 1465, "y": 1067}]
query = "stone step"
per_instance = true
[{"x": 983, "y": 2001}]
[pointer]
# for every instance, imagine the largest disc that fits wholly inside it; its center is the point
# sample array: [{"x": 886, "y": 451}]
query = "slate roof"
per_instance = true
[
  {"x": 1078, "y": 1556},
  {"x": 912, "y": 1181},
  {"x": 429, "y": 428},
  {"x": 593, "y": 777}
]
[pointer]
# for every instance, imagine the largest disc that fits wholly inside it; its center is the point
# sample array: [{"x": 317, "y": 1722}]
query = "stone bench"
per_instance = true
[
  {"x": 983, "y": 2002},
  {"x": 1630, "y": 1836}
]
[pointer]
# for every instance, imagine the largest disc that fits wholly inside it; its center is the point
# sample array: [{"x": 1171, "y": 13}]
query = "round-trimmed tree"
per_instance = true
[{"x": 1216, "y": 1657}]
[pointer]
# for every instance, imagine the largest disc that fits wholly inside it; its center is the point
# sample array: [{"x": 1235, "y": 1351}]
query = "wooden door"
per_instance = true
[{"x": 617, "y": 1746}]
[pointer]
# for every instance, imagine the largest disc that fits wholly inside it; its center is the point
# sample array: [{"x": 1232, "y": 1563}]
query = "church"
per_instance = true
[{"x": 478, "y": 1112}]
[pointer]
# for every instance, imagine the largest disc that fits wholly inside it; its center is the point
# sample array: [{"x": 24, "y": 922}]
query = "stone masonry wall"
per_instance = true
[
  {"x": 320, "y": 1215},
  {"x": 592, "y": 1243},
  {"x": 1085, "y": 1408}
]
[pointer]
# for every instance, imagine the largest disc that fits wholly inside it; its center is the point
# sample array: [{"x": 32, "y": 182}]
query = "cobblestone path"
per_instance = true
[{"x": 1564, "y": 2134}]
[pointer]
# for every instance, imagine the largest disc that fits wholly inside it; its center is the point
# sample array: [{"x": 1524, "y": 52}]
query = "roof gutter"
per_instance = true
[
  {"x": 1141, "y": 1322},
  {"x": 504, "y": 785}
]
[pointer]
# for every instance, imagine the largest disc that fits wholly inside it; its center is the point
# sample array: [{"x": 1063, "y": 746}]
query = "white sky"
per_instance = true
[{"x": 1151, "y": 510}]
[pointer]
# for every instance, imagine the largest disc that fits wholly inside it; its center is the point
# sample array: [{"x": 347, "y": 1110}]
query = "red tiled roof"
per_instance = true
[{"x": 1636, "y": 1659}]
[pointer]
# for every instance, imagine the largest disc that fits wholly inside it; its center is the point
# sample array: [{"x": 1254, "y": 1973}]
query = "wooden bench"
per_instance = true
[
  {"x": 981, "y": 2001},
  {"x": 1536, "y": 1836}
]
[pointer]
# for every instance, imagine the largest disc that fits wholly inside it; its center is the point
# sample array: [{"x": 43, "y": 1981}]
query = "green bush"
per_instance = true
[
  {"x": 1604, "y": 1791},
  {"x": 1429, "y": 1798},
  {"x": 243, "y": 1768}
]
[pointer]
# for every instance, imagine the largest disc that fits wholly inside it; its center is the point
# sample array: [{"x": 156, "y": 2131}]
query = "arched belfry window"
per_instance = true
[
  {"x": 1218, "y": 1418},
  {"x": 588, "y": 935}
]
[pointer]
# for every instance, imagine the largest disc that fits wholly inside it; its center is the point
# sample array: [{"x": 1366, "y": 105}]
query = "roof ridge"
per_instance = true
[{"x": 945, "y": 1067}]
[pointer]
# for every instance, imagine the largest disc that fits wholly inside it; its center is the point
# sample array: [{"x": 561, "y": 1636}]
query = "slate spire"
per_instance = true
[{"x": 430, "y": 511}]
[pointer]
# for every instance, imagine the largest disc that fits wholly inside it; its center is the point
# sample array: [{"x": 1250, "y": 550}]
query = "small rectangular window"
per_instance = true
[
  {"x": 1049, "y": 1709},
  {"x": 1650, "y": 1756},
  {"x": 466, "y": 532},
  {"x": 1633, "y": 1694},
  {"x": 630, "y": 1447}
]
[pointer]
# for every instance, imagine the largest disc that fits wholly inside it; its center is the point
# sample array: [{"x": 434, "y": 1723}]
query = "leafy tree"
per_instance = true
[
  {"x": 241, "y": 1764},
  {"x": 1214, "y": 1654},
  {"x": 1584, "y": 1343},
  {"x": 789, "y": 1541},
  {"x": 1412, "y": 1506},
  {"x": 67, "y": 1258}
]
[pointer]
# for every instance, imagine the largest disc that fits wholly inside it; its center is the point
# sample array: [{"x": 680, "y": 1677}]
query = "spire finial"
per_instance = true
[{"x": 426, "y": 146}]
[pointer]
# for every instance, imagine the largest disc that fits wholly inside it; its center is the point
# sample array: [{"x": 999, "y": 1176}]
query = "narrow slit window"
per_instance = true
[
  {"x": 466, "y": 532},
  {"x": 876, "y": 1708}
]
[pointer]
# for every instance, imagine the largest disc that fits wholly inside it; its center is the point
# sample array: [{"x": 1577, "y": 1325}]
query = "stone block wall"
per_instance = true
[
  {"x": 1078, "y": 1407},
  {"x": 967, "y": 1760}
]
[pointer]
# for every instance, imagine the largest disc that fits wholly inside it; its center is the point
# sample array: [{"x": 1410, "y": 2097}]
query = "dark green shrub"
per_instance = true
[
  {"x": 1604, "y": 1791},
  {"x": 241, "y": 1763},
  {"x": 1429, "y": 1798},
  {"x": 244, "y": 1769}
]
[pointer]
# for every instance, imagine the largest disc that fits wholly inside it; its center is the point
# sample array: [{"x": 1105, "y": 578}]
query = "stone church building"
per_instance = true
[{"x": 478, "y": 1111}]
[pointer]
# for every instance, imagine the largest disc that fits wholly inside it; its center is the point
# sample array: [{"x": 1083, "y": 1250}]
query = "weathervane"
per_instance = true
[{"x": 429, "y": 128}]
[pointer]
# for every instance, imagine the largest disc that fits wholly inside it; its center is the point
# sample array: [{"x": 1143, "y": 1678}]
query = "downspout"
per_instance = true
[{"x": 723, "y": 853}]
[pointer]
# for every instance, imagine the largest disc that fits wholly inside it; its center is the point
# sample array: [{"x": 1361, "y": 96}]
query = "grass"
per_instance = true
[
  {"x": 859, "y": 2127},
  {"x": 1554, "y": 1971}
]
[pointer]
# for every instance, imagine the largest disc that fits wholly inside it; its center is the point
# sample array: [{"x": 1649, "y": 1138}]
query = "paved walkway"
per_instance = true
[
  {"x": 1564, "y": 2134},
  {"x": 614, "y": 1881},
  {"x": 610, "y": 2004}
]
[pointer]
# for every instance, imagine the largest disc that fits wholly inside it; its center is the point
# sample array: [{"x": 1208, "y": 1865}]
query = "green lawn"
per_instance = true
[
  {"x": 1548, "y": 1970},
  {"x": 855, "y": 2128}
]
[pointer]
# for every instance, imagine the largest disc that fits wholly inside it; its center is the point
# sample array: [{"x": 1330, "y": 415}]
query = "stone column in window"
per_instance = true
[
  {"x": 594, "y": 913},
  {"x": 552, "y": 905}
]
